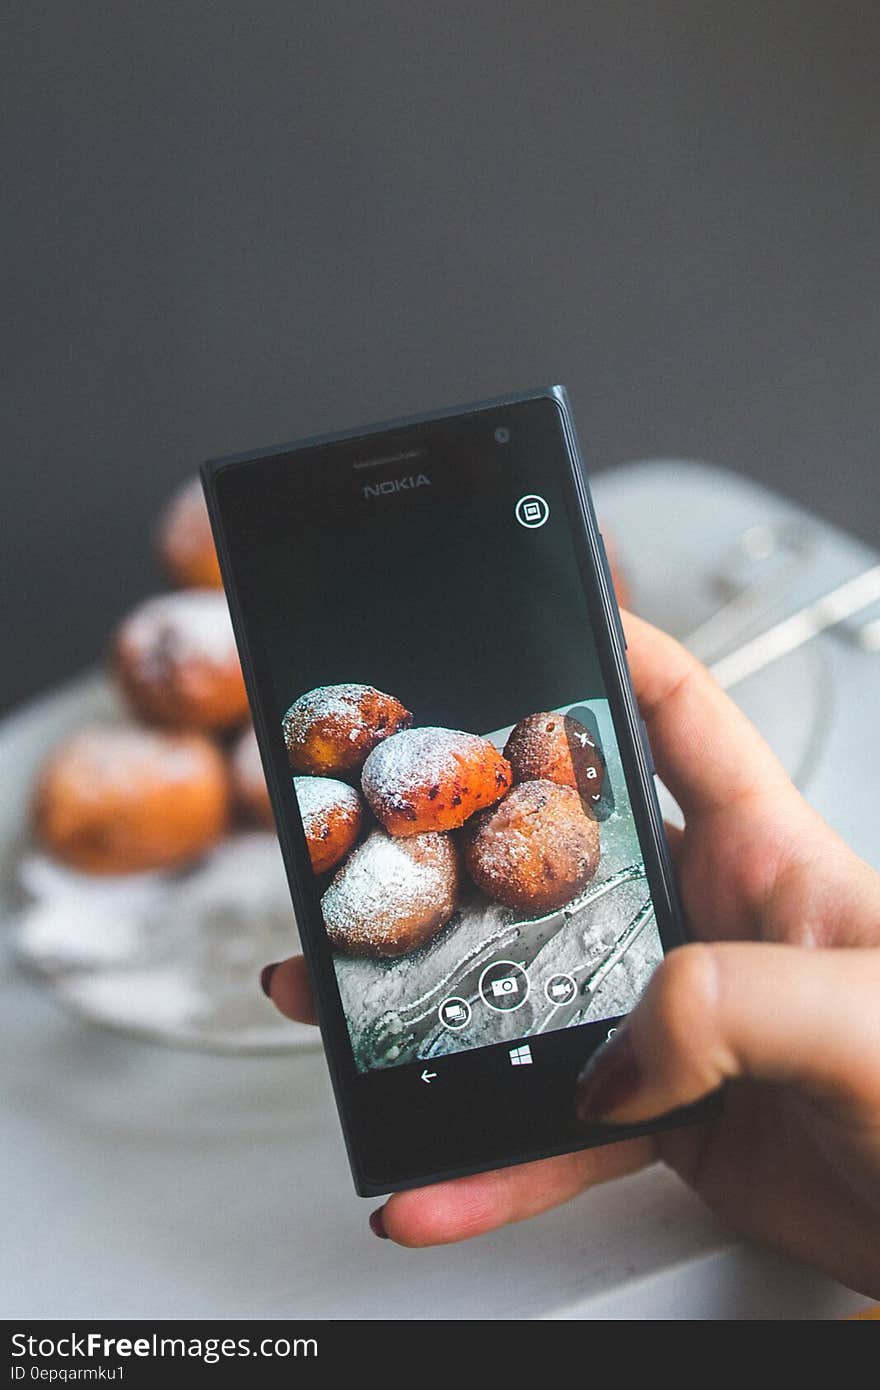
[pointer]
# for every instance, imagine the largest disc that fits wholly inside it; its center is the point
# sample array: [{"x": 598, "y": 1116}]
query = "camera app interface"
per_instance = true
[{"x": 451, "y": 750}]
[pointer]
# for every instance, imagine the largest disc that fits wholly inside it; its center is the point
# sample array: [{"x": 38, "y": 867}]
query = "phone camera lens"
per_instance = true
[{"x": 502, "y": 435}]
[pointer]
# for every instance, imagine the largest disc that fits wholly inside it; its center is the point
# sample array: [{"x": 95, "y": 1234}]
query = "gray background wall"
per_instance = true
[{"x": 233, "y": 224}]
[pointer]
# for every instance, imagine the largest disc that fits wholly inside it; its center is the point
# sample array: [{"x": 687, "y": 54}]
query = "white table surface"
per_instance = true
[{"x": 142, "y": 1181}]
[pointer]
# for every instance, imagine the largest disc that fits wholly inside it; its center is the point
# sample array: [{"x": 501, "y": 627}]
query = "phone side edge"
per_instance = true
[{"x": 635, "y": 723}]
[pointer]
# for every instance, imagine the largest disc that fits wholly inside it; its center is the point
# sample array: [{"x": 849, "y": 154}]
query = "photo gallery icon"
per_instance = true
[{"x": 455, "y": 1013}]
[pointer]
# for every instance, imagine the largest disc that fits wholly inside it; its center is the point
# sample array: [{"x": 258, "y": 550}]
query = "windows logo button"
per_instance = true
[{"x": 521, "y": 1056}]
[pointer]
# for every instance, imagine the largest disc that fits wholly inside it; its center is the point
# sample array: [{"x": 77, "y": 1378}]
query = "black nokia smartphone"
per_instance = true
[{"x": 461, "y": 781}]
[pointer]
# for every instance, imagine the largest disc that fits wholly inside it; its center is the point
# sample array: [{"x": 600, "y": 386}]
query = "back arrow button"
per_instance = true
[{"x": 428, "y": 1076}]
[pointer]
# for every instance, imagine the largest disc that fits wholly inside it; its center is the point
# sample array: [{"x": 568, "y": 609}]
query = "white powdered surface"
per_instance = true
[
  {"x": 190, "y": 625},
  {"x": 175, "y": 955},
  {"x": 416, "y": 756},
  {"x": 118, "y": 758},
  {"x": 317, "y": 797},
  {"x": 387, "y": 877},
  {"x": 330, "y": 703},
  {"x": 185, "y": 526}
]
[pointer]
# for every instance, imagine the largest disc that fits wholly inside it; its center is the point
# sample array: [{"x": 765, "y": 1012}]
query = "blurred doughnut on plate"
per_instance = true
[
  {"x": 176, "y": 661},
  {"x": 184, "y": 542},
  {"x": 146, "y": 890}
]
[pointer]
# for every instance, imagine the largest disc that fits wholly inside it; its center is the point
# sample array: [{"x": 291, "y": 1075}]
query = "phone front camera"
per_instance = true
[{"x": 502, "y": 435}]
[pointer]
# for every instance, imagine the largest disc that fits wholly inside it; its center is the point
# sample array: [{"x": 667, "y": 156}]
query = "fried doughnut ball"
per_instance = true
[
  {"x": 248, "y": 783},
  {"x": 558, "y": 748},
  {"x": 329, "y": 731},
  {"x": 117, "y": 800},
  {"x": 184, "y": 540},
  {"x": 432, "y": 779},
  {"x": 535, "y": 850},
  {"x": 392, "y": 896},
  {"x": 176, "y": 661},
  {"x": 332, "y": 816}
]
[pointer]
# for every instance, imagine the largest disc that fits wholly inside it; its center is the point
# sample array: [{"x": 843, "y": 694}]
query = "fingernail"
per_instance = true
[
  {"x": 266, "y": 977},
  {"x": 377, "y": 1224},
  {"x": 610, "y": 1077}
]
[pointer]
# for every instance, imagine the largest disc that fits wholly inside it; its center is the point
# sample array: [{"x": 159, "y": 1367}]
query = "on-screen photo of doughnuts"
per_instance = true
[{"x": 475, "y": 888}]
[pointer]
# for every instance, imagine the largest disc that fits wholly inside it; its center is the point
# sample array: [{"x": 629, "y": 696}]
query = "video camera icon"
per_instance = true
[
  {"x": 560, "y": 989},
  {"x": 504, "y": 986}
]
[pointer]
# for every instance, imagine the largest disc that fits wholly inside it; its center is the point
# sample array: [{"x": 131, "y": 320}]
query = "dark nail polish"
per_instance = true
[
  {"x": 610, "y": 1077},
  {"x": 377, "y": 1224},
  {"x": 266, "y": 977}
]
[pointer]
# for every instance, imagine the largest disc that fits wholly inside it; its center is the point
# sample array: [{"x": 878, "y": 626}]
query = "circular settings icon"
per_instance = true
[{"x": 532, "y": 511}]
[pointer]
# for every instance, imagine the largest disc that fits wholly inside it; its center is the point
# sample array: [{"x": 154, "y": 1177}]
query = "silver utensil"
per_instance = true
[
  {"x": 561, "y": 1015},
  {"x": 778, "y": 550},
  {"x": 808, "y": 622}
]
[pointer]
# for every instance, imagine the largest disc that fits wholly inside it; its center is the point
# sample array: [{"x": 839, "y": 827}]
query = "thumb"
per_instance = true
[{"x": 714, "y": 1012}]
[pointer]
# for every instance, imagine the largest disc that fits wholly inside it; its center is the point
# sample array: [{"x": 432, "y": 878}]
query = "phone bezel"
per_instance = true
[{"x": 608, "y": 635}]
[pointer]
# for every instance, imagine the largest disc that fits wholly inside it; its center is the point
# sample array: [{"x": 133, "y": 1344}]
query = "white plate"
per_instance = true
[{"x": 172, "y": 957}]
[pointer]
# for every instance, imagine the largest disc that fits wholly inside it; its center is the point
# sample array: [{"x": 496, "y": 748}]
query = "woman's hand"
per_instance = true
[{"x": 766, "y": 1001}]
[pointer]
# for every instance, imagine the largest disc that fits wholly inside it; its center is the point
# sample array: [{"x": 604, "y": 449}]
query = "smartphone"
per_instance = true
[{"x": 461, "y": 781}]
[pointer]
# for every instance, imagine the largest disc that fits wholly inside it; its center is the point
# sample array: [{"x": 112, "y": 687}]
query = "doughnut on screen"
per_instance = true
[{"x": 452, "y": 755}]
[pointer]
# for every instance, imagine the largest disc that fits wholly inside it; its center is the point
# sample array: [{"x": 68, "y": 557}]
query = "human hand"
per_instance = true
[{"x": 766, "y": 1001}]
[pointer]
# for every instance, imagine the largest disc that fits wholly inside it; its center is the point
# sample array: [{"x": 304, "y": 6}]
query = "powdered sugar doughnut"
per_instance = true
[
  {"x": 176, "y": 660},
  {"x": 392, "y": 896},
  {"x": 331, "y": 730},
  {"x": 535, "y": 850},
  {"x": 248, "y": 782},
  {"x": 332, "y": 816},
  {"x": 119, "y": 800},
  {"x": 185, "y": 542},
  {"x": 557, "y": 747},
  {"x": 432, "y": 779}
]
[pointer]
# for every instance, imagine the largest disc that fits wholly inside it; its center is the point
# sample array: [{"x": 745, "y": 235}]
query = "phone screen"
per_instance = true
[{"x": 426, "y": 635}]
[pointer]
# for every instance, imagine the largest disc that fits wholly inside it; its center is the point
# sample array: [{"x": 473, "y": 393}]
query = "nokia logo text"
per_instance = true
[{"x": 396, "y": 485}]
